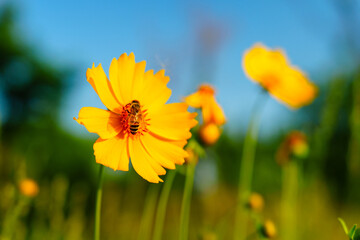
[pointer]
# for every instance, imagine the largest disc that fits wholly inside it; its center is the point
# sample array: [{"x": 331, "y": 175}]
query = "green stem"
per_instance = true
[
  {"x": 11, "y": 219},
  {"x": 161, "y": 210},
  {"x": 290, "y": 185},
  {"x": 148, "y": 213},
  {"x": 246, "y": 171},
  {"x": 98, "y": 203},
  {"x": 186, "y": 201}
]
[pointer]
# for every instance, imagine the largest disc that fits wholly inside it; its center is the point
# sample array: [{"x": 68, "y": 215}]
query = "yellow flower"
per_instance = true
[
  {"x": 138, "y": 123},
  {"x": 256, "y": 202},
  {"x": 268, "y": 229},
  {"x": 273, "y": 72},
  {"x": 209, "y": 133},
  {"x": 204, "y": 98},
  {"x": 29, "y": 187},
  {"x": 295, "y": 144}
]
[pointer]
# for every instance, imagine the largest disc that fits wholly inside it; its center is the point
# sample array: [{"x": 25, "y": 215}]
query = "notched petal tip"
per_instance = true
[
  {"x": 124, "y": 55},
  {"x": 161, "y": 76},
  {"x": 78, "y": 120},
  {"x": 193, "y": 123},
  {"x": 182, "y": 161},
  {"x": 155, "y": 181}
]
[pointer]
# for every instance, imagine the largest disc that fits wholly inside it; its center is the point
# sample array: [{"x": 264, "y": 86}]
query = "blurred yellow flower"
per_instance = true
[
  {"x": 204, "y": 98},
  {"x": 209, "y": 133},
  {"x": 268, "y": 229},
  {"x": 138, "y": 123},
  {"x": 271, "y": 69},
  {"x": 256, "y": 202},
  {"x": 29, "y": 187},
  {"x": 294, "y": 145}
]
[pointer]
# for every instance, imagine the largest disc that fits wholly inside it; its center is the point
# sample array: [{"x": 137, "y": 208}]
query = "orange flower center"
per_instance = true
[
  {"x": 134, "y": 119},
  {"x": 206, "y": 89},
  {"x": 269, "y": 81}
]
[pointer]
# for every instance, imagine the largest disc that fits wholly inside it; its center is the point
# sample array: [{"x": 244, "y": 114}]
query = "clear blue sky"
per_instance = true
[{"x": 78, "y": 33}]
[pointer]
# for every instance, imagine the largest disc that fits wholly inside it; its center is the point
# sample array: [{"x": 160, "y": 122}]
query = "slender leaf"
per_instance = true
[
  {"x": 357, "y": 234},
  {"x": 351, "y": 232},
  {"x": 343, "y": 224}
]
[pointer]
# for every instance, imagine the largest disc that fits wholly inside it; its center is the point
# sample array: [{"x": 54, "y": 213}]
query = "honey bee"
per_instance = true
[{"x": 134, "y": 116}]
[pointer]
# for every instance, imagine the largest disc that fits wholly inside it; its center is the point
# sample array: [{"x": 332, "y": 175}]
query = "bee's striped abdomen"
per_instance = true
[{"x": 134, "y": 128}]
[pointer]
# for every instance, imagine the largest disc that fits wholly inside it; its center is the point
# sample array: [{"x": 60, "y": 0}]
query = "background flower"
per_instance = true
[
  {"x": 270, "y": 68},
  {"x": 204, "y": 98}
]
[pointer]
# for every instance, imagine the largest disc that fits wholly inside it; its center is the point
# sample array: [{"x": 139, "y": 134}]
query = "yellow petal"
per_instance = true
[
  {"x": 156, "y": 155},
  {"x": 114, "y": 80},
  {"x": 165, "y": 149},
  {"x": 127, "y": 77},
  {"x": 97, "y": 78},
  {"x": 105, "y": 123},
  {"x": 195, "y": 100},
  {"x": 155, "y": 93},
  {"x": 126, "y": 68},
  {"x": 259, "y": 61},
  {"x": 213, "y": 113},
  {"x": 219, "y": 116},
  {"x": 138, "y": 81},
  {"x": 170, "y": 108},
  {"x": 140, "y": 161},
  {"x": 294, "y": 89},
  {"x": 113, "y": 152},
  {"x": 183, "y": 121},
  {"x": 172, "y": 121},
  {"x": 161, "y": 76},
  {"x": 173, "y": 126}
]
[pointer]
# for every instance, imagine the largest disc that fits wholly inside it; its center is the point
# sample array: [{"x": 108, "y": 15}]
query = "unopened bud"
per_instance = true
[
  {"x": 294, "y": 145},
  {"x": 268, "y": 230},
  {"x": 256, "y": 202},
  {"x": 209, "y": 133},
  {"x": 29, "y": 187}
]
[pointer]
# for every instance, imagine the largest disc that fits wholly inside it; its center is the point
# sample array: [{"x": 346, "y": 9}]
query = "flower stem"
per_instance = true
[
  {"x": 246, "y": 171},
  {"x": 161, "y": 210},
  {"x": 148, "y": 212},
  {"x": 98, "y": 203},
  {"x": 290, "y": 184},
  {"x": 12, "y": 217},
  {"x": 185, "y": 206}
]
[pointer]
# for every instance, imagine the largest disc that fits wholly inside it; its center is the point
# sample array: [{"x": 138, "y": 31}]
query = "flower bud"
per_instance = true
[
  {"x": 268, "y": 229},
  {"x": 29, "y": 187},
  {"x": 209, "y": 133},
  {"x": 256, "y": 202},
  {"x": 294, "y": 145}
]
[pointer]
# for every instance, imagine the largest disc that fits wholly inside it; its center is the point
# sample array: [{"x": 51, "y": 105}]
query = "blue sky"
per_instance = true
[{"x": 78, "y": 33}]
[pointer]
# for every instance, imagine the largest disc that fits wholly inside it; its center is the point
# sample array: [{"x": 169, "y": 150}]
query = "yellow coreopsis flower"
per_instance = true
[
  {"x": 204, "y": 98},
  {"x": 138, "y": 123},
  {"x": 271, "y": 69}
]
